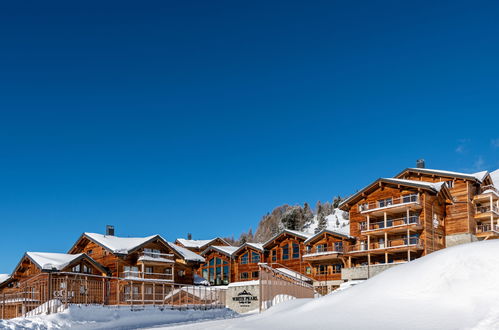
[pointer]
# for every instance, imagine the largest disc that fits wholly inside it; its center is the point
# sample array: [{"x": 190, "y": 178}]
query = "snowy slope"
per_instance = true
[
  {"x": 455, "y": 288},
  {"x": 336, "y": 221}
]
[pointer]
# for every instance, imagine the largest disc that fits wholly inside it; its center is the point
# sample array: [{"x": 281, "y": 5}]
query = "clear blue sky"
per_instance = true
[{"x": 201, "y": 116}]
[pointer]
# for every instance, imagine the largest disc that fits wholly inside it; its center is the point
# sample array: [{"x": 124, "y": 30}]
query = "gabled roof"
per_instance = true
[
  {"x": 198, "y": 243},
  {"x": 187, "y": 254},
  {"x": 256, "y": 246},
  {"x": 49, "y": 261},
  {"x": 495, "y": 178},
  {"x": 479, "y": 176},
  {"x": 227, "y": 250},
  {"x": 4, "y": 278},
  {"x": 301, "y": 234},
  {"x": 328, "y": 231},
  {"x": 120, "y": 245},
  {"x": 434, "y": 187}
]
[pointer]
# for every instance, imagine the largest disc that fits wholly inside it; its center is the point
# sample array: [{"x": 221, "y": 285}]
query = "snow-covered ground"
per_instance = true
[
  {"x": 99, "y": 317},
  {"x": 456, "y": 288},
  {"x": 336, "y": 221}
]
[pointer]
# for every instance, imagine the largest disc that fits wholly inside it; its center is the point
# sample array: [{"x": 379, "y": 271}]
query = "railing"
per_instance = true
[
  {"x": 323, "y": 251},
  {"x": 412, "y": 220},
  {"x": 486, "y": 208},
  {"x": 132, "y": 274},
  {"x": 156, "y": 256},
  {"x": 408, "y": 199},
  {"x": 487, "y": 228},
  {"x": 489, "y": 187},
  {"x": 53, "y": 292},
  {"x": 395, "y": 243}
]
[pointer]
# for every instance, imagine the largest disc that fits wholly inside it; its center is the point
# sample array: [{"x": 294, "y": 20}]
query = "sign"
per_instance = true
[{"x": 244, "y": 298}]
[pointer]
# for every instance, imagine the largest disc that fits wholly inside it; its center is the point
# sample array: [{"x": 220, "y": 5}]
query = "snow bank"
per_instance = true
[
  {"x": 99, "y": 317},
  {"x": 455, "y": 288}
]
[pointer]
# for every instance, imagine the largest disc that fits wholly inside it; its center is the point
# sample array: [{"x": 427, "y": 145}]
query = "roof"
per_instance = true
[
  {"x": 479, "y": 176},
  {"x": 187, "y": 254},
  {"x": 495, "y": 178},
  {"x": 332, "y": 232},
  {"x": 52, "y": 261},
  {"x": 256, "y": 246},
  {"x": 434, "y": 187},
  {"x": 301, "y": 234},
  {"x": 227, "y": 250},
  {"x": 120, "y": 245},
  {"x": 197, "y": 243},
  {"x": 4, "y": 277}
]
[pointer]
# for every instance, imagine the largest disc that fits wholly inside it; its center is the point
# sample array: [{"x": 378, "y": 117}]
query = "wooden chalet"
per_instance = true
[
  {"x": 285, "y": 250},
  {"x": 245, "y": 262},
  {"x": 198, "y": 246},
  {"x": 326, "y": 257},
  {"x": 218, "y": 265},
  {"x": 39, "y": 269}
]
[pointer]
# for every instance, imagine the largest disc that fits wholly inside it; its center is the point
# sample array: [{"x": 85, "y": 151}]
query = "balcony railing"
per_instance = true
[
  {"x": 487, "y": 228},
  {"x": 390, "y": 223},
  {"x": 132, "y": 274},
  {"x": 486, "y": 208},
  {"x": 390, "y": 244},
  {"x": 156, "y": 256},
  {"x": 323, "y": 251},
  {"x": 386, "y": 203}
]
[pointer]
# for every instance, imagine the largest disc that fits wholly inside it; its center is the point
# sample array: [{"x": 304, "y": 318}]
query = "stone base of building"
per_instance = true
[
  {"x": 325, "y": 287},
  {"x": 364, "y": 272},
  {"x": 452, "y": 240}
]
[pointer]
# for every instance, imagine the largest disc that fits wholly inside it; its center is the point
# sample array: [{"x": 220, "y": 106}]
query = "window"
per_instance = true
[
  {"x": 89, "y": 252},
  {"x": 216, "y": 271},
  {"x": 321, "y": 248},
  {"x": 148, "y": 289},
  {"x": 363, "y": 207},
  {"x": 411, "y": 198},
  {"x": 255, "y": 257},
  {"x": 255, "y": 274},
  {"x": 385, "y": 202},
  {"x": 309, "y": 248},
  {"x": 308, "y": 270},
  {"x": 244, "y": 259},
  {"x": 149, "y": 270},
  {"x": 76, "y": 269},
  {"x": 337, "y": 268},
  {"x": 274, "y": 255},
  {"x": 244, "y": 276},
  {"x": 131, "y": 271},
  {"x": 169, "y": 271},
  {"x": 296, "y": 251},
  {"x": 285, "y": 252},
  {"x": 321, "y": 270},
  {"x": 338, "y": 246},
  {"x": 87, "y": 270},
  {"x": 450, "y": 183},
  {"x": 362, "y": 225},
  {"x": 153, "y": 253}
]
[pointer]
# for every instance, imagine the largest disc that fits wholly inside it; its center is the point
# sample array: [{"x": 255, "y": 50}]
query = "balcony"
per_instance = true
[
  {"x": 381, "y": 247},
  {"x": 148, "y": 257},
  {"x": 392, "y": 225},
  {"x": 487, "y": 230},
  {"x": 144, "y": 276},
  {"x": 319, "y": 254},
  {"x": 486, "y": 211},
  {"x": 391, "y": 205},
  {"x": 486, "y": 193}
]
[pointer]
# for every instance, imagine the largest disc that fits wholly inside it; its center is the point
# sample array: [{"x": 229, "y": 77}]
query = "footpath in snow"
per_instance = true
[
  {"x": 109, "y": 317},
  {"x": 455, "y": 288}
]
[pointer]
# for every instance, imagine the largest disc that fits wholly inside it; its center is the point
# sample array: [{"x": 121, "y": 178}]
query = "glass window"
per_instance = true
[
  {"x": 274, "y": 255},
  {"x": 76, "y": 269},
  {"x": 255, "y": 257},
  {"x": 321, "y": 270},
  {"x": 255, "y": 274},
  {"x": 411, "y": 198},
  {"x": 337, "y": 268},
  {"x": 244, "y": 276},
  {"x": 321, "y": 248},
  {"x": 296, "y": 251},
  {"x": 244, "y": 259},
  {"x": 338, "y": 246},
  {"x": 285, "y": 252},
  {"x": 385, "y": 202}
]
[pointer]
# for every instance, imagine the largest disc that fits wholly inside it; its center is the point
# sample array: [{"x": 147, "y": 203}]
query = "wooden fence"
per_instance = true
[{"x": 53, "y": 292}]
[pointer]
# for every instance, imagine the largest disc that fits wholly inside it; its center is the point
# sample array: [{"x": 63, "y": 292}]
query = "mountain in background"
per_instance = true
[{"x": 297, "y": 217}]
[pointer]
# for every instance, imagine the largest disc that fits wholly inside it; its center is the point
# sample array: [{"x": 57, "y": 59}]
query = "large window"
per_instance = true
[
  {"x": 411, "y": 198},
  {"x": 285, "y": 252},
  {"x": 296, "y": 251},
  {"x": 216, "y": 271},
  {"x": 385, "y": 202},
  {"x": 255, "y": 257},
  {"x": 244, "y": 259}
]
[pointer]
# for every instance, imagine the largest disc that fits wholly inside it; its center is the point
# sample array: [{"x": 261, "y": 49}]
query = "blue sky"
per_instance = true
[{"x": 201, "y": 116}]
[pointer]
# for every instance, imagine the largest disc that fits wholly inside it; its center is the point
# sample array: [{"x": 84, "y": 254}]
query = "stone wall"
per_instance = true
[{"x": 364, "y": 272}]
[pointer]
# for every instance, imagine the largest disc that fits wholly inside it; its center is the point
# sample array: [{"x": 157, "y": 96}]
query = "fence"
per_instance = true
[
  {"x": 52, "y": 292},
  {"x": 277, "y": 285}
]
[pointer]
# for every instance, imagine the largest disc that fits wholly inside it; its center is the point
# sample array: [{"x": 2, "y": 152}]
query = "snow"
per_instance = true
[
  {"x": 122, "y": 245},
  {"x": 4, "y": 277},
  {"x": 228, "y": 250},
  {"x": 437, "y": 186},
  {"x": 186, "y": 253},
  {"x": 336, "y": 222},
  {"x": 454, "y": 288},
  {"x": 479, "y": 175},
  {"x": 294, "y": 274},
  {"x": 244, "y": 283},
  {"x": 122, "y": 317},
  {"x": 495, "y": 178},
  {"x": 157, "y": 259},
  {"x": 198, "y": 280},
  {"x": 258, "y": 246},
  {"x": 49, "y": 261},
  {"x": 194, "y": 243}
]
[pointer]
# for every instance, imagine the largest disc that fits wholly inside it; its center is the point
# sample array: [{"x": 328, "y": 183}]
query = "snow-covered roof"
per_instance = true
[
  {"x": 302, "y": 234},
  {"x": 227, "y": 250},
  {"x": 4, "y": 277},
  {"x": 478, "y": 176},
  {"x": 187, "y": 254},
  {"x": 332, "y": 232},
  {"x": 194, "y": 243},
  {"x": 495, "y": 178},
  {"x": 120, "y": 245},
  {"x": 198, "y": 280},
  {"x": 437, "y": 186},
  {"x": 257, "y": 246},
  {"x": 51, "y": 261}
]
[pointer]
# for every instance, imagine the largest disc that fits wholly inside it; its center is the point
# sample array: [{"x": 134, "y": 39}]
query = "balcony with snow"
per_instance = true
[
  {"x": 390, "y": 224},
  {"x": 391, "y": 205}
]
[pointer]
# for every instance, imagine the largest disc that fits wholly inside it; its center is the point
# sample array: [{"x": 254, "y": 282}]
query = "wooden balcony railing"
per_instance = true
[
  {"x": 395, "y": 243},
  {"x": 323, "y": 251},
  {"x": 487, "y": 228},
  {"x": 486, "y": 208},
  {"x": 409, "y": 199},
  {"x": 412, "y": 220},
  {"x": 131, "y": 274}
]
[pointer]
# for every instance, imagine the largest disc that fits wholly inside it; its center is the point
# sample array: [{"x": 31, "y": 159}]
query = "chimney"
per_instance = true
[
  {"x": 189, "y": 236},
  {"x": 109, "y": 230},
  {"x": 420, "y": 163}
]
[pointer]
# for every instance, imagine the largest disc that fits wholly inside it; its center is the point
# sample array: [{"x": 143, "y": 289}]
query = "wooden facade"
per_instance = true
[{"x": 245, "y": 262}]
